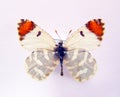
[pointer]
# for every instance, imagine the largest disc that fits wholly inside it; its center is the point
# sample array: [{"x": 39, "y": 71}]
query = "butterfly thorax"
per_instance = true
[{"x": 60, "y": 52}]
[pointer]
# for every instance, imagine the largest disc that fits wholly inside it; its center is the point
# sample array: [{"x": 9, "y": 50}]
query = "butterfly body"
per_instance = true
[
  {"x": 60, "y": 52},
  {"x": 72, "y": 53}
]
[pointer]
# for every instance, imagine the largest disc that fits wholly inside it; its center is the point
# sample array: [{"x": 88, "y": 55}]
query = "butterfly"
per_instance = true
[{"x": 72, "y": 53}]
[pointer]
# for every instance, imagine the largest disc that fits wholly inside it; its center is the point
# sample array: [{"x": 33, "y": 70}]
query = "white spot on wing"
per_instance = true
[
  {"x": 81, "y": 72},
  {"x": 74, "y": 54}
]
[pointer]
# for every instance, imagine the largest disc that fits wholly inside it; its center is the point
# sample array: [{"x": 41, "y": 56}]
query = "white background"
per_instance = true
[{"x": 62, "y": 15}]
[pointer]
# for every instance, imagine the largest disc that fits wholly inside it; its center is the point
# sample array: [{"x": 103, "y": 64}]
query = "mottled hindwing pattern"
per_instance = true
[
  {"x": 41, "y": 63},
  {"x": 80, "y": 64}
]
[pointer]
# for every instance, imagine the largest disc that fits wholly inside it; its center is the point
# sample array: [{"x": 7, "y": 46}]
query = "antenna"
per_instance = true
[
  {"x": 69, "y": 33},
  {"x": 57, "y": 34}
]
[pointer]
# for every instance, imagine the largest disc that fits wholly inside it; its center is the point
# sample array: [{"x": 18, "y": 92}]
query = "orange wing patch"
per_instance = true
[
  {"x": 25, "y": 27},
  {"x": 96, "y": 26}
]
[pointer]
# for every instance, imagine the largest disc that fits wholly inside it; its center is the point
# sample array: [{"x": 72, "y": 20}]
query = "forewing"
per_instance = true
[
  {"x": 87, "y": 37},
  {"x": 80, "y": 64},
  {"x": 33, "y": 37},
  {"x": 41, "y": 63}
]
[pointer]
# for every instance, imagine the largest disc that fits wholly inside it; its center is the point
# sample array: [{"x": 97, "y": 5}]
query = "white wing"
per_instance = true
[
  {"x": 87, "y": 37},
  {"x": 80, "y": 64},
  {"x": 33, "y": 37},
  {"x": 41, "y": 63}
]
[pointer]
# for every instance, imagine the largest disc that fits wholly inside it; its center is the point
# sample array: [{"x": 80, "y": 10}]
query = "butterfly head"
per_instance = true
[{"x": 60, "y": 43}]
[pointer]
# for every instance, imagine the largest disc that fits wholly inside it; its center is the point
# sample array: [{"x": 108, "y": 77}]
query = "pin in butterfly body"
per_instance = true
[{"x": 73, "y": 53}]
